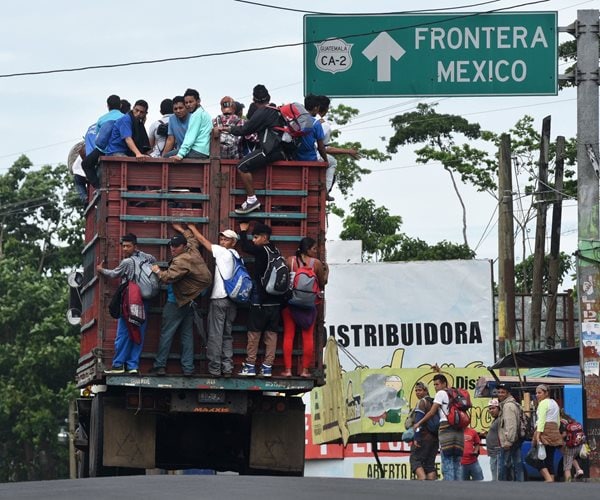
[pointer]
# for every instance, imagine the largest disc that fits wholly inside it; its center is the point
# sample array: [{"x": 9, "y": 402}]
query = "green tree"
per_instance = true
[
  {"x": 524, "y": 272},
  {"x": 349, "y": 170},
  {"x": 525, "y": 144},
  {"x": 437, "y": 132},
  {"x": 377, "y": 229},
  {"x": 40, "y": 239},
  {"x": 382, "y": 240},
  {"x": 409, "y": 249}
]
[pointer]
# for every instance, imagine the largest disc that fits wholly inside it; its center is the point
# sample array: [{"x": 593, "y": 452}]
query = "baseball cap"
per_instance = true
[
  {"x": 494, "y": 402},
  {"x": 177, "y": 240},
  {"x": 229, "y": 233},
  {"x": 504, "y": 386}
]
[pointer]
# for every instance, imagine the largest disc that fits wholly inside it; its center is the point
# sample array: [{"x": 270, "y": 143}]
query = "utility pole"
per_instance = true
[
  {"x": 554, "y": 258},
  {"x": 539, "y": 253},
  {"x": 506, "y": 251},
  {"x": 586, "y": 31}
]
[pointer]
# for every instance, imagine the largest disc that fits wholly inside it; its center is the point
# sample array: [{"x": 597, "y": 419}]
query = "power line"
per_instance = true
[
  {"x": 255, "y": 49},
  {"x": 277, "y": 7},
  {"x": 475, "y": 112}
]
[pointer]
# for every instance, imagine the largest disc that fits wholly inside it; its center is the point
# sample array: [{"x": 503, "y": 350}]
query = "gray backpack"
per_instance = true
[
  {"x": 144, "y": 277},
  {"x": 276, "y": 279}
]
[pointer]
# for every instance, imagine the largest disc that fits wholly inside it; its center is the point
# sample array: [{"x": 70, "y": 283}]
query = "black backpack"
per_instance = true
[
  {"x": 162, "y": 129},
  {"x": 276, "y": 278}
]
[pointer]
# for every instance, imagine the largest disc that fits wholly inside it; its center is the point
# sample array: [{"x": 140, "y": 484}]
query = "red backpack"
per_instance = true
[
  {"x": 298, "y": 121},
  {"x": 305, "y": 285},
  {"x": 459, "y": 402},
  {"x": 575, "y": 435}
]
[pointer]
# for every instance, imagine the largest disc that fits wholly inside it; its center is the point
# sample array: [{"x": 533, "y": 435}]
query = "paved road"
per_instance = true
[{"x": 278, "y": 488}]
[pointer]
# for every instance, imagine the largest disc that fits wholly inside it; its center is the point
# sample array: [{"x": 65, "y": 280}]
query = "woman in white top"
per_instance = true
[{"x": 547, "y": 430}]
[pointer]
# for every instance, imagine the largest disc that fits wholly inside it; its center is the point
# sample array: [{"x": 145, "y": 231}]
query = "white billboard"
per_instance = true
[{"x": 406, "y": 314}]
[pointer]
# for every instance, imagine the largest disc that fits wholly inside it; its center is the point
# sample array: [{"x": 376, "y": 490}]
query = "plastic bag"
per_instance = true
[
  {"x": 585, "y": 450},
  {"x": 408, "y": 435},
  {"x": 541, "y": 452},
  {"x": 532, "y": 459}
]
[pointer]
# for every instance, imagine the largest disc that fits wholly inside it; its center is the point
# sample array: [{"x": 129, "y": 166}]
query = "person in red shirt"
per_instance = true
[{"x": 470, "y": 463}]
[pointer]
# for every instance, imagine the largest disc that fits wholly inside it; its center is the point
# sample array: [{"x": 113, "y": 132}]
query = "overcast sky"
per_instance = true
[{"x": 44, "y": 115}]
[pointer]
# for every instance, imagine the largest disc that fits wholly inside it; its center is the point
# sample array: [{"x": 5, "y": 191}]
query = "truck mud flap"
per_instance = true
[
  {"x": 277, "y": 436},
  {"x": 129, "y": 439}
]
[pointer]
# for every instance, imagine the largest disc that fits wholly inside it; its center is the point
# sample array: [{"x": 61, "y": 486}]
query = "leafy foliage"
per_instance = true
[
  {"x": 524, "y": 272},
  {"x": 377, "y": 229},
  {"x": 349, "y": 171},
  {"x": 40, "y": 240},
  {"x": 437, "y": 131},
  {"x": 416, "y": 249},
  {"x": 379, "y": 232}
]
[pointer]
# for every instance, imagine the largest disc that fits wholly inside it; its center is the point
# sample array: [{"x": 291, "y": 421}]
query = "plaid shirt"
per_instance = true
[{"x": 230, "y": 144}]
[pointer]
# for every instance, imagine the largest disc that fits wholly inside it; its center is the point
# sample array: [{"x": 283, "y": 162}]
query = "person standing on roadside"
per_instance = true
[
  {"x": 492, "y": 440},
  {"x": 511, "y": 466}
]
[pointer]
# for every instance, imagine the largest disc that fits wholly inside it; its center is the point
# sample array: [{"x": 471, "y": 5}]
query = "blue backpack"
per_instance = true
[{"x": 239, "y": 286}]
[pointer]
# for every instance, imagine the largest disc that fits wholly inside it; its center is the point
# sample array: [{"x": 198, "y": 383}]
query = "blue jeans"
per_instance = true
[
  {"x": 472, "y": 472},
  {"x": 127, "y": 352},
  {"x": 495, "y": 461},
  {"x": 81, "y": 187},
  {"x": 511, "y": 467},
  {"x": 176, "y": 318},
  {"x": 219, "y": 348},
  {"x": 451, "y": 467}
]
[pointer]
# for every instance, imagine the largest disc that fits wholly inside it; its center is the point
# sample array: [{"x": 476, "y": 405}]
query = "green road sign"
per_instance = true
[{"x": 431, "y": 55}]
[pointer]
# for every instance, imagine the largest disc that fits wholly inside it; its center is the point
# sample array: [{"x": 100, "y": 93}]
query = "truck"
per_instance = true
[{"x": 130, "y": 423}]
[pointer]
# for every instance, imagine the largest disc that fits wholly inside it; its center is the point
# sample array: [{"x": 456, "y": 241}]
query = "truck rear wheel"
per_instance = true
[{"x": 96, "y": 438}]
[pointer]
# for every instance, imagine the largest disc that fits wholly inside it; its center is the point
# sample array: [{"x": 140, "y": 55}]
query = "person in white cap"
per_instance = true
[
  {"x": 492, "y": 439},
  {"x": 221, "y": 311}
]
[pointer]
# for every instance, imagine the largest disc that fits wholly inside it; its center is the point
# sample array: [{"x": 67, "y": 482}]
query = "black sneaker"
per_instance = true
[
  {"x": 189, "y": 374},
  {"x": 159, "y": 371},
  {"x": 246, "y": 207},
  {"x": 115, "y": 370}
]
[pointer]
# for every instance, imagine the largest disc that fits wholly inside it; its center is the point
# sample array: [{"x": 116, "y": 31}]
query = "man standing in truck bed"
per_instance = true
[
  {"x": 222, "y": 310},
  {"x": 127, "y": 352},
  {"x": 264, "y": 315},
  {"x": 187, "y": 276}
]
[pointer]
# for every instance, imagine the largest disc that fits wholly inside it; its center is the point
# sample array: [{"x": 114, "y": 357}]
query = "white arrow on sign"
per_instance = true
[{"x": 384, "y": 47}]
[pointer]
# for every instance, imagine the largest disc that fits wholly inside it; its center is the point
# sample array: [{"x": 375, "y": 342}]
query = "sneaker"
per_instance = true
[
  {"x": 159, "y": 371},
  {"x": 246, "y": 207},
  {"x": 330, "y": 198},
  {"x": 189, "y": 374},
  {"x": 115, "y": 370},
  {"x": 226, "y": 374},
  {"x": 579, "y": 474},
  {"x": 133, "y": 371},
  {"x": 266, "y": 370},
  {"x": 248, "y": 370}
]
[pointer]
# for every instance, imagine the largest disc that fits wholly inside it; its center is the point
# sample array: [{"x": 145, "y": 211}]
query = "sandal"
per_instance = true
[
  {"x": 286, "y": 373},
  {"x": 579, "y": 473},
  {"x": 305, "y": 374}
]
